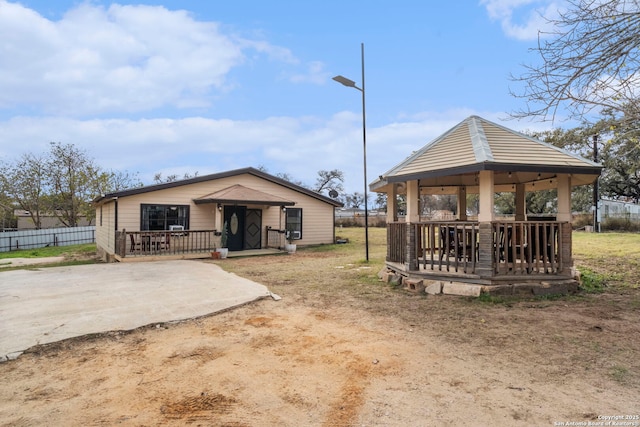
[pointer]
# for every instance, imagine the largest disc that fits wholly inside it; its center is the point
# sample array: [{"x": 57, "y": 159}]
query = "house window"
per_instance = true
[
  {"x": 294, "y": 223},
  {"x": 160, "y": 217}
]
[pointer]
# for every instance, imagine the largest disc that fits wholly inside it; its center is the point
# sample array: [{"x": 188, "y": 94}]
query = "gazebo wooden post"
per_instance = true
[
  {"x": 486, "y": 183},
  {"x": 392, "y": 215},
  {"x": 392, "y": 204},
  {"x": 521, "y": 203},
  {"x": 413, "y": 217},
  {"x": 462, "y": 203}
]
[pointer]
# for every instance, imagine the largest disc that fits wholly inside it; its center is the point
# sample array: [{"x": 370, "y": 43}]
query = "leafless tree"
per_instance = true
[
  {"x": 329, "y": 180},
  {"x": 591, "y": 60}
]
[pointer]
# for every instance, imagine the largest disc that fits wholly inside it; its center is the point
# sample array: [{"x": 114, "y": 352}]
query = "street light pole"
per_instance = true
[
  {"x": 596, "y": 197},
  {"x": 350, "y": 83}
]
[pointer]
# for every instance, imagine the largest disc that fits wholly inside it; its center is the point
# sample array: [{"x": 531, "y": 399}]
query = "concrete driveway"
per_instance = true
[{"x": 51, "y": 304}]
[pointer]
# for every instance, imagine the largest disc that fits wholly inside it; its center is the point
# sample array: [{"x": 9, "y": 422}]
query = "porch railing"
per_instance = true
[
  {"x": 516, "y": 247},
  {"x": 146, "y": 243},
  {"x": 275, "y": 238}
]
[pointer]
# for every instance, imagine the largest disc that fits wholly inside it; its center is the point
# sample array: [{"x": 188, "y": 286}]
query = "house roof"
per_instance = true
[
  {"x": 477, "y": 144},
  {"x": 241, "y": 194},
  {"x": 212, "y": 177}
]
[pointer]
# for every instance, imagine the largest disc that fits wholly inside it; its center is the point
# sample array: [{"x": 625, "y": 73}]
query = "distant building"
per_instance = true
[
  {"x": 618, "y": 209},
  {"x": 25, "y": 222}
]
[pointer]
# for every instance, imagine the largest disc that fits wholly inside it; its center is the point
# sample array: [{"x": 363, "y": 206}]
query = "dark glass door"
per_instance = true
[{"x": 235, "y": 216}]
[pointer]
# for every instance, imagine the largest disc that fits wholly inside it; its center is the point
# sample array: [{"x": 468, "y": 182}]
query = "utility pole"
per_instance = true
[{"x": 596, "y": 197}]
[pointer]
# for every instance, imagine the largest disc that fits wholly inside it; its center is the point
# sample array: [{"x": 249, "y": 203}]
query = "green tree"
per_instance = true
[
  {"x": 578, "y": 140},
  {"x": 620, "y": 154},
  {"x": 25, "y": 183},
  {"x": 504, "y": 203},
  {"x": 381, "y": 201},
  {"x": 354, "y": 200},
  {"x": 75, "y": 181}
]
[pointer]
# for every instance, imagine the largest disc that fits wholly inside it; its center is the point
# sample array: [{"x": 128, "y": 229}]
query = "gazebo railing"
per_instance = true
[
  {"x": 516, "y": 248},
  {"x": 528, "y": 247},
  {"x": 447, "y": 246}
]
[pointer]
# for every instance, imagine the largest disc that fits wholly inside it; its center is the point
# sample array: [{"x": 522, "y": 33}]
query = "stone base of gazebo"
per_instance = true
[{"x": 505, "y": 287}]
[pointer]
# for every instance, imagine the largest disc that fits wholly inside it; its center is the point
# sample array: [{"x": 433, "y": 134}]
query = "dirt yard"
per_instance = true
[{"x": 341, "y": 349}]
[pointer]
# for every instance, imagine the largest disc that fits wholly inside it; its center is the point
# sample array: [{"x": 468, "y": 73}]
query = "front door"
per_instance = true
[
  {"x": 235, "y": 216},
  {"x": 253, "y": 229}
]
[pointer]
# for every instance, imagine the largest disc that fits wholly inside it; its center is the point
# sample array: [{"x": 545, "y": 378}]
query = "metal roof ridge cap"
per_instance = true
[
  {"x": 479, "y": 142},
  {"x": 545, "y": 144}
]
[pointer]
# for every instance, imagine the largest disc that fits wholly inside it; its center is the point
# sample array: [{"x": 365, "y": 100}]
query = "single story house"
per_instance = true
[{"x": 185, "y": 219}]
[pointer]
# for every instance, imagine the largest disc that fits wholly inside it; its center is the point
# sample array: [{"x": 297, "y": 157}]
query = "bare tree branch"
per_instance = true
[{"x": 591, "y": 60}]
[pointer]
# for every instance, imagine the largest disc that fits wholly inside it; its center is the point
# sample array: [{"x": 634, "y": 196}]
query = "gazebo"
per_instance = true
[{"x": 516, "y": 255}]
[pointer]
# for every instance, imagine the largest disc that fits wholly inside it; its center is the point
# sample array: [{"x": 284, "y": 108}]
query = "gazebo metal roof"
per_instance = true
[{"x": 476, "y": 144}]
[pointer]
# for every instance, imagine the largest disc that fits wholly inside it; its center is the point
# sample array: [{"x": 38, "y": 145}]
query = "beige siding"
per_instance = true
[
  {"x": 317, "y": 216},
  {"x": 105, "y": 227}
]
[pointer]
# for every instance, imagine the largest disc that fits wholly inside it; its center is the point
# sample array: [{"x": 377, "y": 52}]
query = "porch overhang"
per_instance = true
[
  {"x": 510, "y": 174},
  {"x": 241, "y": 195}
]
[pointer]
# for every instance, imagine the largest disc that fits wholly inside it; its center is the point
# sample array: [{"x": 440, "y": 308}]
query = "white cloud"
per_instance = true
[
  {"x": 123, "y": 59},
  {"x": 523, "y": 19},
  {"x": 299, "y": 146}
]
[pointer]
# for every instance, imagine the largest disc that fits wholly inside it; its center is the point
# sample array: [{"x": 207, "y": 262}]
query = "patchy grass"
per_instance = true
[
  {"x": 72, "y": 251},
  {"x": 609, "y": 259},
  {"x": 591, "y": 281},
  {"x": 73, "y": 255}
]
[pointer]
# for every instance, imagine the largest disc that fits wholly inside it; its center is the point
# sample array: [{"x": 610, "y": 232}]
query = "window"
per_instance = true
[
  {"x": 161, "y": 217},
  {"x": 294, "y": 223}
]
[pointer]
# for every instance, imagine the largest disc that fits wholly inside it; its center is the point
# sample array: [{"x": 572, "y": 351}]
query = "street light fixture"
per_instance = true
[{"x": 350, "y": 83}]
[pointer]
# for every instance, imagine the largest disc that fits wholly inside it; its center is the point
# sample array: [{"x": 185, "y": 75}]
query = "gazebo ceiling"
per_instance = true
[{"x": 455, "y": 158}]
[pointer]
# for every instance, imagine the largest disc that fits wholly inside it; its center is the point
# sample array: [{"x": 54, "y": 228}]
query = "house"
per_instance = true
[
  {"x": 185, "y": 219},
  {"x": 523, "y": 254}
]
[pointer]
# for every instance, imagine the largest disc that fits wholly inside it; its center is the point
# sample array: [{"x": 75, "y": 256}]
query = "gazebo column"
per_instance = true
[
  {"x": 485, "y": 217},
  {"x": 462, "y": 203},
  {"x": 392, "y": 216},
  {"x": 521, "y": 203},
  {"x": 392, "y": 204},
  {"x": 413, "y": 216},
  {"x": 564, "y": 216}
]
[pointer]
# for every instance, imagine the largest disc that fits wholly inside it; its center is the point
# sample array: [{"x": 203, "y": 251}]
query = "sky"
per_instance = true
[{"x": 191, "y": 86}]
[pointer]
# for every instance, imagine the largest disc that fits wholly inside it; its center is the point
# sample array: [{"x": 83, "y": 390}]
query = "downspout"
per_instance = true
[{"x": 115, "y": 199}]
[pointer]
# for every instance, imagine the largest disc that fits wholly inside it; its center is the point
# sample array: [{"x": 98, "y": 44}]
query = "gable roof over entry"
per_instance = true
[
  {"x": 476, "y": 144},
  {"x": 241, "y": 194}
]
